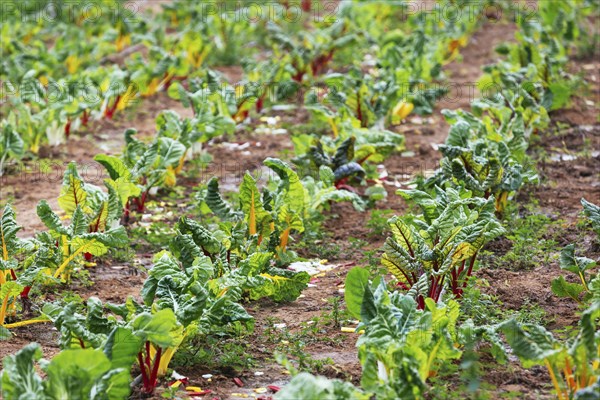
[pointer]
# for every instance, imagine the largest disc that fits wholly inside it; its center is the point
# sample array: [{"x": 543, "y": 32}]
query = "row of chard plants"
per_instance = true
[
  {"x": 196, "y": 286},
  {"x": 251, "y": 242},
  {"x": 411, "y": 328},
  {"x": 54, "y": 86},
  {"x": 199, "y": 283}
]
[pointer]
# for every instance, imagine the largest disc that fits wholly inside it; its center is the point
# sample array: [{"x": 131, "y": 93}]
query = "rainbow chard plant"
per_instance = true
[
  {"x": 91, "y": 211},
  {"x": 119, "y": 92},
  {"x": 574, "y": 364},
  {"x": 183, "y": 284},
  {"x": 11, "y": 145},
  {"x": 309, "y": 54},
  {"x": 216, "y": 105},
  {"x": 342, "y": 163},
  {"x": 194, "y": 132},
  {"x": 237, "y": 262},
  {"x": 130, "y": 333},
  {"x": 21, "y": 260},
  {"x": 436, "y": 250},
  {"x": 268, "y": 217},
  {"x": 74, "y": 374},
  {"x": 581, "y": 267},
  {"x": 486, "y": 151},
  {"x": 149, "y": 166},
  {"x": 75, "y": 240},
  {"x": 351, "y": 156},
  {"x": 484, "y": 166}
]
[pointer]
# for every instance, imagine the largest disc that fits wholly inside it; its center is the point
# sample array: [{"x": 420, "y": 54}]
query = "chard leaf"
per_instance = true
[
  {"x": 187, "y": 307},
  {"x": 121, "y": 347},
  {"x": 307, "y": 386},
  {"x": 357, "y": 281},
  {"x": 50, "y": 219},
  {"x": 115, "y": 167},
  {"x": 257, "y": 218},
  {"x": 170, "y": 151},
  {"x": 570, "y": 263},
  {"x": 562, "y": 288},
  {"x": 73, "y": 374},
  {"x": 216, "y": 203},
  {"x": 72, "y": 193},
  {"x": 592, "y": 211},
  {"x": 160, "y": 328},
  {"x": 348, "y": 170},
  {"x": 19, "y": 377},
  {"x": 279, "y": 285},
  {"x": 531, "y": 343},
  {"x": 123, "y": 188},
  {"x": 8, "y": 232},
  {"x": 201, "y": 236}
]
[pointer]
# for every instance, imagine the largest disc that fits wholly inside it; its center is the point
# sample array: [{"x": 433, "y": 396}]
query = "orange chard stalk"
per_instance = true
[
  {"x": 569, "y": 375},
  {"x": 283, "y": 240}
]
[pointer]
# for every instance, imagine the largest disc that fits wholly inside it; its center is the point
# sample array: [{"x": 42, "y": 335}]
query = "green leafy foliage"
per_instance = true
[
  {"x": 592, "y": 211},
  {"x": 82, "y": 373},
  {"x": 357, "y": 282},
  {"x": 11, "y": 145},
  {"x": 307, "y": 386},
  {"x": 485, "y": 158},
  {"x": 438, "y": 248},
  {"x": 402, "y": 346},
  {"x": 573, "y": 365},
  {"x": 269, "y": 216},
  {"x": 143, "y": 167},
  {"x": 84, "y": 236}
]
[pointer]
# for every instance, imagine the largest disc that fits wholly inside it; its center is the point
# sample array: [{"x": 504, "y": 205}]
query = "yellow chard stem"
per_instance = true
[
  {"x": 3, "y": 310},
  {"x": 65, "y": 246},
  {"x": 181, "y": 163},
  {"x": 333, "y": 127},
  {"x": 583, "y": 281},
  {"x": 68, "y": 260},
  {"x": 252, "y": 216},
  {"x": 559, "y": 392},
  {"x": 25, "y": 323}
]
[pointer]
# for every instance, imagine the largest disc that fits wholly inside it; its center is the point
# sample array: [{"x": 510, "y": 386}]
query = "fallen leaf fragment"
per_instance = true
[
  {"x": 238, "y": 382},
  {"x": 274, "y": 388}
]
